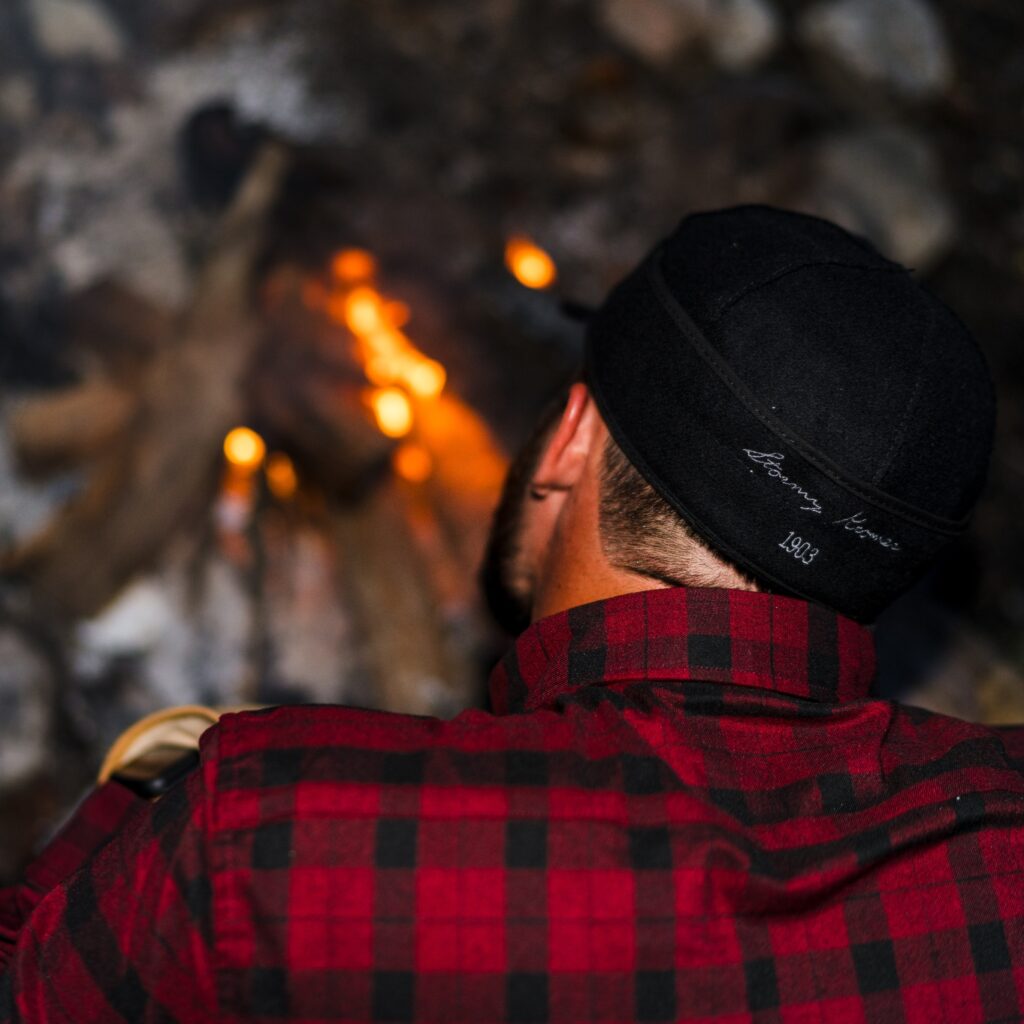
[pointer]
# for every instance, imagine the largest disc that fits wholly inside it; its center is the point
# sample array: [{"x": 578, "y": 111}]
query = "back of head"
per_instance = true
[{"x": 813, "y": 414}]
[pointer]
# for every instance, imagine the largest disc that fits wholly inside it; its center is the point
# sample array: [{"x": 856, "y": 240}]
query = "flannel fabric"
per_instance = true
[
  {"x": 686, "y": 806},
  {"x": 93, "y": 822}
]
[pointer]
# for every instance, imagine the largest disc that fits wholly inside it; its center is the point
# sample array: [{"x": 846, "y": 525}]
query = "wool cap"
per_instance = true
[{"x": 816, "y": 415}]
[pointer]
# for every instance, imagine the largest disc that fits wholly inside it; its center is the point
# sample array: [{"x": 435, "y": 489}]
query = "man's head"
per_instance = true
[
  {"x": 768, "y": 402},
  {"x": 577, "y": 522}
]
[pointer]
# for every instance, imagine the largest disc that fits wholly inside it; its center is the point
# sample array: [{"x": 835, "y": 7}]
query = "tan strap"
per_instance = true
[{"x": 178, "y": 728}]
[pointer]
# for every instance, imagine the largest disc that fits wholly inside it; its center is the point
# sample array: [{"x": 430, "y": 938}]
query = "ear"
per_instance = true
[{"x": 565, "y": 455}]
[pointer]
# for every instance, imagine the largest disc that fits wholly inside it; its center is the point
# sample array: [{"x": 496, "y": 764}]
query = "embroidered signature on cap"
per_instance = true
[
  {"x": 772, "y": 463},
  {"x": 855, "y": 524}
]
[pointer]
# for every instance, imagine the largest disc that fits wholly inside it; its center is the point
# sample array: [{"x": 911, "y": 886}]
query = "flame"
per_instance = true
[
  {"x": 426, "y": 378},
  {"x": 413, "y": 462},
  {"x": 244, "y": 449},
  {"x": 398, "y": 313},
  {"x": 380, "y": 371},
  {"x": 468, "y": 462},
  {"x": 353, "y": 266},
  {"x": 530, "y": 264},
  {"x": 394, "y": 365},
  {"x": 364, "y": 311},
  {"x": 440, "y": 438},
  {"x": 282, "y": 479},
  {"x": 393, "y": 411}
]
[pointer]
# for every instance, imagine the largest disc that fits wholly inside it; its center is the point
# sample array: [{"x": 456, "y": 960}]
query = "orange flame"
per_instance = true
[
  {"x": 426, "y": 378},
  {"x": 398, "y": 313},
  {"x": 393, "y": 410},
  {"x": 530, "y": 264},
  {"x": 244, "y": 449},
  {"x": 353, "y": 266},
  {"x": 282, "y": 479},
  {"x": 392, "y": 363},
  {"x": 413, "y": 462},
  {"x": 364, "y": 311}
]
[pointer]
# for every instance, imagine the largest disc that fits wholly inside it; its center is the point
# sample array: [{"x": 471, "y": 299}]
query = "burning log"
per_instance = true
[
  {"x": 350, "y": 413},
  {"x": 309, "y": 395},
  {"x": 331, "y": 437},
  {"x": 159, "y": 475}
]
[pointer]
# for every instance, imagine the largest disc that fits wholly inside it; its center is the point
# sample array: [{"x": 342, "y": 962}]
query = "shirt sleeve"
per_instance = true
[
  {"x": 1013, "y": 742},
  {"x": 128, "y": 936},
  {"x": 91, "y": 825}
]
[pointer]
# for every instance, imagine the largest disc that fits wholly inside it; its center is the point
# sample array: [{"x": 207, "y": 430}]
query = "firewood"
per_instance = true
[
  {"x": 309, "y": 392},
  {"x": 112, "y": 326},
  {"x": 328, "y": 433},
  {"x": 61, "y": 430},
  {"x": 160, "y": 475},
  {"x": 394, "y": 607}
]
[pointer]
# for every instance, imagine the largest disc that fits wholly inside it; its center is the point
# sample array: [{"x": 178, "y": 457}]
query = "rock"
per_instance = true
[
  {"x": 309, "y": 632},
  {"x": 26, "y": 695},
  {"x": 738, "y": 32},
  {"x": 741, "y": 33},
  {"x": 265, "y": 81},
  {"x": 18, "y": 101},
  {"x": 208, "y": 656},
  {"x": 109, "y": 213},
  {"x": 169, "y": 21},
  {"x": 126, "y": 239},
  {"x": 182, "y": 635},
  {"x": 899, "y": 44},
  {"x": 25, "y": 506},
  {"x": 884, "y": 183},
  {"x": 76, "y": 28},
  {"x": 131, "y": 626},
  {"x": 655, "y": 29}
]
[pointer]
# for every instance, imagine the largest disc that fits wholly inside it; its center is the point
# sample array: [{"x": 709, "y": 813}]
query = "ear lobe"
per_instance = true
[{"x": 565, "y": 455}]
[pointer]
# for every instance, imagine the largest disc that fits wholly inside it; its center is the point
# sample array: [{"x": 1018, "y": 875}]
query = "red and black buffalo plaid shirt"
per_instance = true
[{"x": 686, "y": 806}]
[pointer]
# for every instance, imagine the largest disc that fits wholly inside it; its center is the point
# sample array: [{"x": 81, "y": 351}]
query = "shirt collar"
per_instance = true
[{"x": 728, "y": 636}]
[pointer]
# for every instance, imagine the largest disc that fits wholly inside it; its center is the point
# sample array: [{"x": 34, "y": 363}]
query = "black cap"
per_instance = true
[{"x": 817, "y": 417}]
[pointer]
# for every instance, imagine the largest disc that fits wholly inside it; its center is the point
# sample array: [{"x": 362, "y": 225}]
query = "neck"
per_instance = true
[{"x": 574, "y": 569}]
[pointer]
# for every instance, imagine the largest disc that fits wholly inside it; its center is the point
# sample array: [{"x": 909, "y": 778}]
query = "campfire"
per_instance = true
[{"x": 285, "y": 461}]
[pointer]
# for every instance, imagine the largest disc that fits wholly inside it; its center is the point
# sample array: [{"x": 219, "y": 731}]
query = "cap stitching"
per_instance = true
[
  {"x": 749, "y": 564},
  {"x": 901, "y": 432},
  {"x": 792, "y": 268},
  {"x": 887, "y": 503},
  {"x": 711, "y": 535}
]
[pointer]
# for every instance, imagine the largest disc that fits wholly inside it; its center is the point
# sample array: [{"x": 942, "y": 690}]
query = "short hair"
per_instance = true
[{"x": 641, "y": 533}]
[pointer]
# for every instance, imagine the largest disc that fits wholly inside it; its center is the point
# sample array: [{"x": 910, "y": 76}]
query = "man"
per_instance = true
[{"x": 685, "y": 804}]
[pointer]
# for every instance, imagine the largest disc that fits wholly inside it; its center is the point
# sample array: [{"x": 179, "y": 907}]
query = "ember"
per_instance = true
[
  {"x": 244, "y": 449},
  {"x": 413, "y": 462},
  {"x": 530, "y": 264},
  {"x": 389, "y": 358},
  {"x": 353, "y": 266},
  {"x": 282, "y": 480},
  {"x": 426, "y": 378},
  {"x": 393, "y": 410}
]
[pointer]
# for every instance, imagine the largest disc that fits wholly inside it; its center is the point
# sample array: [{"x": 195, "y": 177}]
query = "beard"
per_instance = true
[{"x": 505, "y": 578}]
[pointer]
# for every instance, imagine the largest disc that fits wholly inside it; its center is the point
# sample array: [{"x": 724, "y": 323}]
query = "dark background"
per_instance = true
[{"x": 429, "y": 134}]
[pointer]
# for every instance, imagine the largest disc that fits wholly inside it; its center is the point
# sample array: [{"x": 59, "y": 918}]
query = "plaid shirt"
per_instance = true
[{"x": 685, "y": 807}]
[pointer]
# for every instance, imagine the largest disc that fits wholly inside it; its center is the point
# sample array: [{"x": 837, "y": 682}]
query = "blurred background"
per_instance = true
[{"x": 282, "y": 286}]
